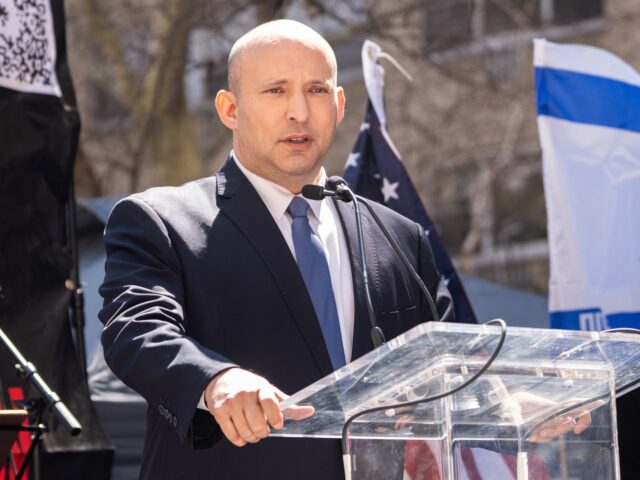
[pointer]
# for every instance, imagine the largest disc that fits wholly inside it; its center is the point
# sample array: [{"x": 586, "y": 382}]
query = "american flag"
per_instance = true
[
  {"x": 422, "y": 461},
  {"x": 374, "y": 170}
]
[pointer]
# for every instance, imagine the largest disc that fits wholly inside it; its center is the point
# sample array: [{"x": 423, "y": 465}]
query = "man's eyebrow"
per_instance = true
[
  {"x": 315, "y": 81},
  {"x": 269, "y": 83}
]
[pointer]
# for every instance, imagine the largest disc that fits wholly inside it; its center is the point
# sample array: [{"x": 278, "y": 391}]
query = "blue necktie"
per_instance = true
[{"x": 315, "y": 272}]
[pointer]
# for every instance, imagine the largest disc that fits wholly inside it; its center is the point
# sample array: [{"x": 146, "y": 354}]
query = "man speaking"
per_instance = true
[{"x": 225, "y": 294}]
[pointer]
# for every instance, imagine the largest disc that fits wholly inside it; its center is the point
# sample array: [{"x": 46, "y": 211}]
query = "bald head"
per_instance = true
[{"x": 273, "y": 33}]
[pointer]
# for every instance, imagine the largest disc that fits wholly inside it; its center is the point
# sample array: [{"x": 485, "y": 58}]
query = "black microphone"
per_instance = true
[
  {"x": 316, "y": 192},
  {"x": 336, "y": 187}
]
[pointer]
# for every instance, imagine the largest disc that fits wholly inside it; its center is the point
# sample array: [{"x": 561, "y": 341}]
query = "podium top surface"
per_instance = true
[{"x": 538, "y": 373}]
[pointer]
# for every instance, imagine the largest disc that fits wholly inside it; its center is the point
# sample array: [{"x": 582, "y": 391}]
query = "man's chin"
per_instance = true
[{"x": 300, "y": 166}]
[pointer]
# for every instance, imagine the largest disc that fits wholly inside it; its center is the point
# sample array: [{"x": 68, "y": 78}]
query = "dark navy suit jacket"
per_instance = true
[{"x": 198, "y": 279}]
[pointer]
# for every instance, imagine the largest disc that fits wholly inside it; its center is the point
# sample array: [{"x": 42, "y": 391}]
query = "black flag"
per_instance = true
[{"x": 39, "y": 127}]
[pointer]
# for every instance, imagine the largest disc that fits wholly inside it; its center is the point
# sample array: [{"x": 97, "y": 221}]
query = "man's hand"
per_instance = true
[
  {"x": 524, "y": 405},
  {"x": 246, "y": 406},
  {"x": 576, "y": 421}
]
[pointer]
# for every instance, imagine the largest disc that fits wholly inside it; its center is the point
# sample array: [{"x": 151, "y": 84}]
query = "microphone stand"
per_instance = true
[
  {"x": 342, "y": 192},
  {"x": 49, "y": 399}
]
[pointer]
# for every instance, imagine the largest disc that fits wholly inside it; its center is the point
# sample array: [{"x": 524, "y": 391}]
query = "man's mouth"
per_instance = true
[{"x": 298, "y": 139}]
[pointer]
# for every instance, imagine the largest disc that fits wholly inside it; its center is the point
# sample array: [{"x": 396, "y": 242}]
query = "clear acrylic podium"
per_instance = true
[{"x": 541, "y": 380}]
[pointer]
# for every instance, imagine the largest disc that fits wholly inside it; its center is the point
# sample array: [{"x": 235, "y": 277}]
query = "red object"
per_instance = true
[
  {"x": 419, "y": 461},
  {"x": 473, "y": 467},
  {"x": 20, "y": 446}
]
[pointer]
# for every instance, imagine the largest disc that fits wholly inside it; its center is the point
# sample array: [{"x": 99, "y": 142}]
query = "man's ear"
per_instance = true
[
  {"x": 226, "y": 106},
  {"x": 341, "y": 104}
]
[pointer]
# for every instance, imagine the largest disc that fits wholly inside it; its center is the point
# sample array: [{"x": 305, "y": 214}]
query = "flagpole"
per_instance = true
[
  {"x": 73, "y": 284},
  {"x": 395, "y": 63}
]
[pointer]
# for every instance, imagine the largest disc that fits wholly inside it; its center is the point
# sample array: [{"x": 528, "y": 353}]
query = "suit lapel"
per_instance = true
[
  {"x": 239, "y": 201},
  {"x": 361, "y": 324}
]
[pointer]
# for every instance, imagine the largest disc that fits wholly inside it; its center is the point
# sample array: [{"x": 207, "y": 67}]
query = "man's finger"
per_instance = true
[
  {"x": 255, "y": 417},
  {"x": 294, "y": 412},
  {"x": 229, "y": 430},
  {"x": 280, "y": 395},
  {"x": 557, "y": 427},
  {"x": 269, "y": 402},
  {"x": 241, "y": 425},
  {"x": 552, "y": 429},
  {"x": 582, "y": 422},
  {"x": 298, "y": 412}
]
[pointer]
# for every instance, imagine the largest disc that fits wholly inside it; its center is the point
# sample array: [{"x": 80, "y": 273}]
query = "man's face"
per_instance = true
[{"x": 287, "y": 107}]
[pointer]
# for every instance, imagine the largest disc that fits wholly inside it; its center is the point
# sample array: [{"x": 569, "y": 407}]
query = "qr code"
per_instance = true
[{"x": 27, "y": 46}]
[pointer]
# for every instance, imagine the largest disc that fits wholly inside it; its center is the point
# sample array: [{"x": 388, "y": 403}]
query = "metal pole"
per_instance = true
[{"x": 73, "y": 284}]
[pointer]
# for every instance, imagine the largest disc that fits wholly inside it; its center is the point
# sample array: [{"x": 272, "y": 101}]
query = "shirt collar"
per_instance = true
[{"x": 274, "y": 196}]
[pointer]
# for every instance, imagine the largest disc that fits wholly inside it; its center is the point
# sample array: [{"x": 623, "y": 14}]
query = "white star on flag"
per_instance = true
[
  {"x": 389, "y": 190},
  {"x": 352, "y": 160},
  {"x": 364, "y": 126}
]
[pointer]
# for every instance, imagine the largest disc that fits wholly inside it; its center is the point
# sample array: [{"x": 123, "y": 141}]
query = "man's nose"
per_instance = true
[{"x": 298, "y": 108}]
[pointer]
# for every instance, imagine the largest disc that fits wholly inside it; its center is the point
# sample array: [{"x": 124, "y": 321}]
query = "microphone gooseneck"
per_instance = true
[
  {"x": 337, "y": 187},
  {"x": 342, "y": 192},
  {"x": 403, "y": 258},
  {"x": 377, "y": 336}
]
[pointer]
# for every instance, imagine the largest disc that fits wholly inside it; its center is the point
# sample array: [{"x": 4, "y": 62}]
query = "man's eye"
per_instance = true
[
  {"x": 320, "y": 90},
  {"x": 274, "y": 90}
]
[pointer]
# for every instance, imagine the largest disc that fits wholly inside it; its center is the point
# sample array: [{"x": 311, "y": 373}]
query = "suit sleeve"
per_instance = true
[
  {"x": 434, "y": 282},
  {"x": 144, "y": 337}
]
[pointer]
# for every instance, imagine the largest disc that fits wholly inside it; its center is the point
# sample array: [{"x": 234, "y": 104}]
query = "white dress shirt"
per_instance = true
[{"x": 325, "y": 223}]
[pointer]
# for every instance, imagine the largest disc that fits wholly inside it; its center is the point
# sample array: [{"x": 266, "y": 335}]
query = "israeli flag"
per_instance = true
[{"x": 588, "y": 103}]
